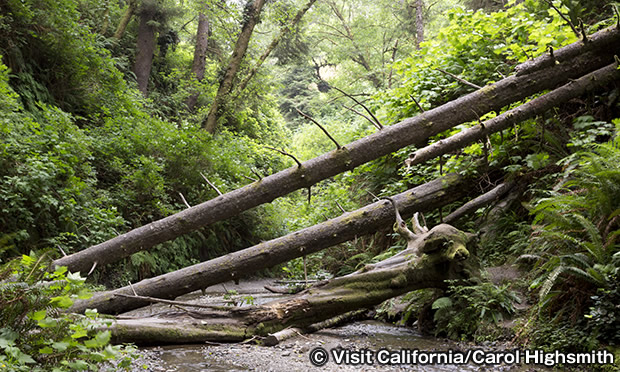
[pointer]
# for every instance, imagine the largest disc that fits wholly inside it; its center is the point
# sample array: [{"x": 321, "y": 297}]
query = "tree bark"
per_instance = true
[
  {"x": 253, "y": 15},
  {"x": 200, "y": 55},
  {"x": 122, "y": 26},
  {"x": 449, "y": 258},
  {"x": 274, "y": 43},
  {"x": 363, "y": 221},
  {"x": 412, "y": 131},
  {"x": 146, "y": 48},
  {"x": 419, "y": 22}
]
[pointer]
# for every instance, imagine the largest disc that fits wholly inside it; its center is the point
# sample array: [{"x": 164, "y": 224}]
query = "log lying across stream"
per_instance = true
[
  {"x": 346, "y": 227},
  {"x": 447, "y": 255},
  {"x": 570, "y": 62},
  {"x": 235, "y": 265}
]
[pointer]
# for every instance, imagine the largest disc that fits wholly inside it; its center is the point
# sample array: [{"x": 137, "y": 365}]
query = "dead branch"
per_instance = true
[
  {"x": 318, "y": 125},
  {"x": 458, "y": 79}
]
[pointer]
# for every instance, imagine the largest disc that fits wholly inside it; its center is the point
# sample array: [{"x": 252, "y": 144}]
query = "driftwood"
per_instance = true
[
  {"x": 443, "y": 253},
  {"x": 597, "y": 53}
]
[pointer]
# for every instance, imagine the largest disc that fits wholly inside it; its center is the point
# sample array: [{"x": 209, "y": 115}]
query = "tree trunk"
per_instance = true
[
  {"x": 447, "y": 256},
  {"x": 146, "y": 49},
  {"x": 252, "y": 18},
  {"x": 363, "y": 221},
  {"x": 419, "y": 23},
  {"x": 412, "y": 131},
  {"x": 122, "y": 26},
  {"x": 200, "y": 56},
  {"x": 538, "y": 106},
  {"x": 274, "y": 43}
]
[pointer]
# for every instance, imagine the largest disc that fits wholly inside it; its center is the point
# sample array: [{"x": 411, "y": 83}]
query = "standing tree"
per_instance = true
[
  {"x": 146, "y": 44},
  {"x": 129, "y": 12},
  {"x": 200, "y": 53},
  {"x": 419, "y": 23},
  {"x": 251, "y": 18}
]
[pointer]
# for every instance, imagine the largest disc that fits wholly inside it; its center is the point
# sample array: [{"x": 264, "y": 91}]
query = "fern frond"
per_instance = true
[{"x": 551, "y": 281}]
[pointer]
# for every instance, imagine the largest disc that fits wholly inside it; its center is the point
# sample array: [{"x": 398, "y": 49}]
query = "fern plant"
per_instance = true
[{"x": 576, "y": 231}]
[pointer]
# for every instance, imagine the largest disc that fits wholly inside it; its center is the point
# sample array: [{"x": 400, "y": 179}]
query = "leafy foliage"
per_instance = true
[
  {"x": 576, "y": 242},
  {"x": 36, "y": 335},
  {"x": 467, "y": 309}
]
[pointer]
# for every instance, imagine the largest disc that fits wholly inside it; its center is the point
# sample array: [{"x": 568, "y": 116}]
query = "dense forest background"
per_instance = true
[{"x": 114, "y": 114}]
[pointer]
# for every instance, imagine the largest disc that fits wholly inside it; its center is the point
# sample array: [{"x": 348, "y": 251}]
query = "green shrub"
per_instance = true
[{"x": 36, "y": 335}]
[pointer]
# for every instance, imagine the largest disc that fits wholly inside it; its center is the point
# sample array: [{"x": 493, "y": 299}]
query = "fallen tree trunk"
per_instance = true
[
  {"x": 412, "y": 131},
  {"x": 363, "y": 221},
  {"x": 481, "y": 201},
  {"x": 572, "y": 89},
  {"x": 446, "y": 256}
]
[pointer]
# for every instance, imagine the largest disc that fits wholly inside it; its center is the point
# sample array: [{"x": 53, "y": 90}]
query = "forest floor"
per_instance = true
[{"x": 294, "y": 354}]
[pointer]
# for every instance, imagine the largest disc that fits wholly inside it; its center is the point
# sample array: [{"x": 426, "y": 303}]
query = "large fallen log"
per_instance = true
[
  {"x": 568, "y": 91},
  {"x": 446, "y": 254},
  {"x": 363, "y": 221},
  {"x": 412, "y": 131}
]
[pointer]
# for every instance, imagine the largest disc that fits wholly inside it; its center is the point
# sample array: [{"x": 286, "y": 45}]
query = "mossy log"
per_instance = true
[
  {"x": 443, "y": 253},
  {"x": 234, "y": 266}
]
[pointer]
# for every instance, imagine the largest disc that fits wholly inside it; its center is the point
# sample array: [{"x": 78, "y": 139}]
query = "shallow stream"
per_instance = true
[{"x": 362, "y": 340}]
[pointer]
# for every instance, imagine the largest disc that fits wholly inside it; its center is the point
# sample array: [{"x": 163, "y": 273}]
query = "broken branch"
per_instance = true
[
  {"x": 211, "y": 184},
  {"x": 285, "y": 153},
  {"x": 458, "y": 79},
  {"x": 320, "y": 126}
]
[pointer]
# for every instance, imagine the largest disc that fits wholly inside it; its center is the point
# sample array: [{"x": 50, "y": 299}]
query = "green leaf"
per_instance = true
[
  {"x": 442, "y": 303},
  {"x": 75, "y": 278},
  {"x": 60, "y": 346},
  {"x": 46, "y": 350},
  {"x": 47, "y": 322},
  {"x": 101, "y": 339},
  {"x": 63, "y": 302},
  {"x": 38, "y": 315}
]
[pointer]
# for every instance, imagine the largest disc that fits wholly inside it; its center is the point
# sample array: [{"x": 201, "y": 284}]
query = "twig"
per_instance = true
[
  {"x": 169, "y": 302},
  {"x": 478, "y": 202},
  {"x": 563, "y": 17},
  {"x": 309, "y": 195},
  {"x": 250, "y": 178},
  {"x": 184, "y": 201},
  {"x": 320, "y": 126},
  {"x": 373, "y": 195},
  {"x": 61, "y": 251},
  {"x": 613, "y": 6},
  {"x": 378, "y": 126},
  {"x": 417, "y": 103},
  {"x": 132, "y": 289},
  {"x": 255, "y": 172},
  {"x": 92, "y": 268},
  {"x": 340, "y": 206},
  {"x": 210, "y": 184},
  {"x": 583, "y": 31},
  {"x": 459, "y": 79},
  {"x": 479, "y": 120},
  {"x": 361, "y": 104},
  {"x": 285, "y": 153}
]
